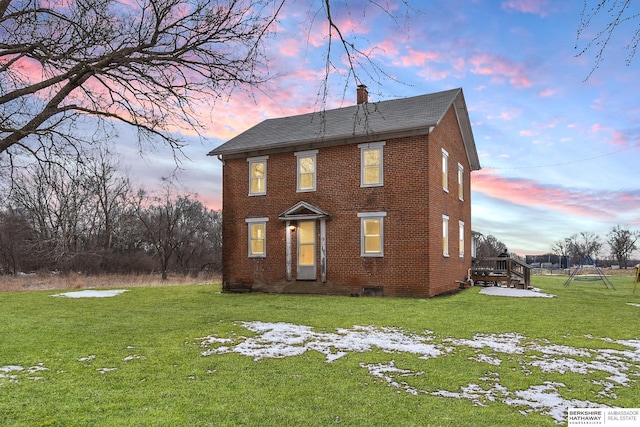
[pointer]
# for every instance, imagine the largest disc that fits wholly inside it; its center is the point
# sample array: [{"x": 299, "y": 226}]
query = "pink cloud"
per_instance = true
[
  {"x": 290, "y": 47},
  {"x": 385, "y": 49},
  {"x": 547, "y": 92},
  {"x": 617, "y": 138},
  {"x": 536, "y": 7},
  {"x": 416, "y": 58},
  {"x": 571, "y": 201},
  {"x": 501, "y": 69},
  {"x": 507, "y": 115}
]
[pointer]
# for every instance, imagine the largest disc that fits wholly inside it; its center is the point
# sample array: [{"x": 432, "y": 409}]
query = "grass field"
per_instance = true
[{"x": 190, "y": 355}]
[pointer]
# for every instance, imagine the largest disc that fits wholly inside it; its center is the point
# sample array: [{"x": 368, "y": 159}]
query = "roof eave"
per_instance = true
[{"x": 317, "y": 143}]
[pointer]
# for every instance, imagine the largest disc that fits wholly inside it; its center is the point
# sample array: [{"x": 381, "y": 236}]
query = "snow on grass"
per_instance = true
[
  {"x": 279, "y": 340},
  {"x": 91, "y": 293},
  {"x": 503, "y": 291},
  {"x": 15, "y": 372}
]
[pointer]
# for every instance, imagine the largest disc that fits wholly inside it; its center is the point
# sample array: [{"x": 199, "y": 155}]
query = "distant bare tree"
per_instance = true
[
  {"x": 177, "y": 227},
  {"x": 561, "y": 247},
  {"x": 489, "y": 246},
  {"x": 15, "y": 237},
  {"x": 622, "y": 242},
  {"x": 582, "y": 245},
  {"x": 58, "y": 207},
  {"x": 112, "y": 192},
  {"x": 600, "y": 19}
]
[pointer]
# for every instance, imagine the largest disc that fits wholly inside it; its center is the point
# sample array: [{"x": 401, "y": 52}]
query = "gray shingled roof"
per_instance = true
[{"x": 357, "y": 123}]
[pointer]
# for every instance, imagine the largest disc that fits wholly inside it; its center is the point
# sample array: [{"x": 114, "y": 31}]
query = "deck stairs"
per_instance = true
[{"x": 501, "y": 271}]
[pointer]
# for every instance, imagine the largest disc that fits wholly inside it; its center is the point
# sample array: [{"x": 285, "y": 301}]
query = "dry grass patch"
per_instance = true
[{"x": 50, "y": 281}]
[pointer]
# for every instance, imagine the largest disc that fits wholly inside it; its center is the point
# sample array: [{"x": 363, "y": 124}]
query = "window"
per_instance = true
[
  {"x": 461, "y": 238},
  {"x": 257, "y": 175},
  {"x": 460, "y": 182},
  {"x": 445, "y": 235},
  {"x": 306, "y": 170},
  {"x": 371, "y": 171},
  {"x": 445, "y": 170},
  {"x": 257, "y": 237},
  {"x": 372, "y": 233}
]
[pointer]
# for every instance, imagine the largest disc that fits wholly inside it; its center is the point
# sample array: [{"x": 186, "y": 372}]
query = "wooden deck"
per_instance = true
[{"x": 501, "y": 270}]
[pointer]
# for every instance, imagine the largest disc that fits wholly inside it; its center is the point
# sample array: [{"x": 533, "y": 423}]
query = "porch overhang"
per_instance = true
[{"x": 303, "y": 211}]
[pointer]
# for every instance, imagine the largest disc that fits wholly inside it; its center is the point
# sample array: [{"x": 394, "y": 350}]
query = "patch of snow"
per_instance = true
[
  {"x": 105, "y": 370},
  {"x": 278, "y": 340},
  {"x": 11, "y": 368},
  {"x": 91, "y": 293},
  {"x": 633, "y": 304},
  {"x": 622, "y": 367},
  {"x": 501, "y": 291},
  {"x": 133, "y": 357},
  {"x": 87, "y": 359}
]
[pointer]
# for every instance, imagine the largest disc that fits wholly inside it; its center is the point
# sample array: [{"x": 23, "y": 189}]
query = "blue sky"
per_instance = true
[{"x": 560, "y": 153}]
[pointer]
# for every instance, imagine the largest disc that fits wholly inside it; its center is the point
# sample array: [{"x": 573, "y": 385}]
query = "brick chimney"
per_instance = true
[{"x": 363, "y": 94}]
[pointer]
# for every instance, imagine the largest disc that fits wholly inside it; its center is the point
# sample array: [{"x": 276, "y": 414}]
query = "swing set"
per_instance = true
[{"x": 587, "y": 260}]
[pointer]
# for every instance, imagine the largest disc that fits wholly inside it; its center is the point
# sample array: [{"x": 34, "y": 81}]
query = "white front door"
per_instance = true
[{"x": 306, "y": 250}]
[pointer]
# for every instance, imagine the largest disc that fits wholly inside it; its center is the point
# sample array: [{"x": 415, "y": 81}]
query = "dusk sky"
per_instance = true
[{"x": 559, "y": 148}]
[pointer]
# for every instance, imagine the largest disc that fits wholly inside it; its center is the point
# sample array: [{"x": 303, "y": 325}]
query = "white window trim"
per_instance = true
[
  {"x": 372, "y": 215},
  {"x": 251, "y": 161},
  {"x": 445, "y": 170},
  {"x": 445, "y": 236},
  {"x": 461, "y": 239},
  {"x": 460, "y": 182},
  {"x": 309, "y": 153},
  {"x": 253, "y": 221},
  {"x": 372, "y": 146}
]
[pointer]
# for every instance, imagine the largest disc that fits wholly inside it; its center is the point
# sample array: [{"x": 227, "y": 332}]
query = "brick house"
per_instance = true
[{"x": 370, "y": 199}]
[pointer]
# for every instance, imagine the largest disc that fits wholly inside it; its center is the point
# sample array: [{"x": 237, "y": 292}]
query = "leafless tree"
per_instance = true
[
  {"x": 148, "y": 64},
  {"x": 175, "y": 226},
  {"x": 488, "y": 246},
  {"x": 561, "y": 247},
  {"x": 112, "y": 192},
  {"x": 15, "y": 237},
  {"x": 582, "y": 245},
  {"x": 622, "y": 242},
  {"x": 599, "y": 20}
]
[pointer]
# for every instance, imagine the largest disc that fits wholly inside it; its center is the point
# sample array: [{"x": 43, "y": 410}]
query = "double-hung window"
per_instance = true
[
  {"x": 372, "y": 234},
  {"x": 460, "y": 182},
  {"x": 257, "y": 175},
  {"x": 445, "y": 235},
  {"x": 371, "y": 161},
  {"x": 306, "y": 174},
  {"x": 257, "y": 237},
  {"x": 445, "y": 170}
]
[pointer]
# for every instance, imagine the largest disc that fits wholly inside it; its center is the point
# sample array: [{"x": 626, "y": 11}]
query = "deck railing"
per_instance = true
[{"x": 500, "y": 269}]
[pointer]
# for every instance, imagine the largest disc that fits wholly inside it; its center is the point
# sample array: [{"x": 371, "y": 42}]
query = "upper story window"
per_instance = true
[
  {"x": 445, "y": 235},
  {"x": 257, "y": 237},
  {"x": 371, "y": 161},
  {"x": 445, "y": 170},
  {"x": 372, "y": 233},
  {"x": 460, "y": 182},
  {"x": 257, "y": 175},
  {"x": 306, "y": 174}
]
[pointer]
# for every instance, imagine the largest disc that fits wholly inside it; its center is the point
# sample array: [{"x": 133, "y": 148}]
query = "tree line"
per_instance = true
[
  {"x": 84, "y": 214},
  {"x": 622, "y": 243}
]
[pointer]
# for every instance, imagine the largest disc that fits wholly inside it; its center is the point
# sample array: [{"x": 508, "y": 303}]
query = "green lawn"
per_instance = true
[{"x": 136, "y": 359}]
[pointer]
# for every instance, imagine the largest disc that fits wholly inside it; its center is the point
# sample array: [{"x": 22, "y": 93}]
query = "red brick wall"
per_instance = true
[{"x": 412, "y": 265}]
